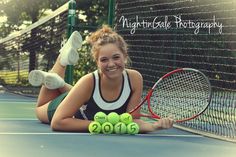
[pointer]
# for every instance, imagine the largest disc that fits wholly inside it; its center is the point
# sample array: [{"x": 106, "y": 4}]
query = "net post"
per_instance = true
[
  {"x": 111, "y": 13},
  {"x": 71, "y": 23}
]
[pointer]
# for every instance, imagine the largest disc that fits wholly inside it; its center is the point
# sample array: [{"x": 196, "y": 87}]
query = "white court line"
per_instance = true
[
  {"x": 168, "y": 135},
  {"x": 17, "y": 101},
  {"x": 61, "y": 133},
  {"x": 40, "y": 133},
  {"x": 18, "y": 119},
  {"x": 86, "y": 134}
]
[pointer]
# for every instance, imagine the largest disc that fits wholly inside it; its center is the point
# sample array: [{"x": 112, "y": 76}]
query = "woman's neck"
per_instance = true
[
  {"x": 111, "y": 88},
  {"x": 111, "y": 83}
]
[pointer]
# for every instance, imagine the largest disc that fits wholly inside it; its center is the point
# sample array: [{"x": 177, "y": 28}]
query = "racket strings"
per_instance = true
[{"x": 181, "y": 95}]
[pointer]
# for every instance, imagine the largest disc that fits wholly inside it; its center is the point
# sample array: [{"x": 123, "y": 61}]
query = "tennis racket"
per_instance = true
[{"x": 183, "y": 94}]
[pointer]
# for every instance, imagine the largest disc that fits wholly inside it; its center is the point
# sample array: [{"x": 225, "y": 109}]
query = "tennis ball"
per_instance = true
[
  {"x": 120, "y": 128},
  {"x": 107, "y": 128},
  {"x": 126, "y": 118},
  {"x": 95, "y": 127},
  {"x": 100, "y": 117},
  {"x": 113, "y": 118},
  {"x": 132, "y": 128}
]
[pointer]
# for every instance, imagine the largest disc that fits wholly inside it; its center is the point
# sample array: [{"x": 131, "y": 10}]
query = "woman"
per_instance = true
[{"x": 111, "y": 88}]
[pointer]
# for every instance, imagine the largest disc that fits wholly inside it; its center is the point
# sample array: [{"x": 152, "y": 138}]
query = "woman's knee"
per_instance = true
[{"x": 41, "y": 113}]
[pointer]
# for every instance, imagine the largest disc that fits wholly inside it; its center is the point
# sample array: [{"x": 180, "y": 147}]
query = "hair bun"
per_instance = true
[{"x": 104, "y": 31}]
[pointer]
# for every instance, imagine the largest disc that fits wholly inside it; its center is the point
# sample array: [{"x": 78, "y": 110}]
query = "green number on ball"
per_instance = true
[
  {"x": 120, "y": 128},
  {"x": 95, "y": 128},
  {"x": 132, "y": 128},
  {"x": 107, "y": 128}
]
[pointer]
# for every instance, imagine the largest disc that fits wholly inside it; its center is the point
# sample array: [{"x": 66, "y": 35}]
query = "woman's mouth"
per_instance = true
[{"x": 111, "y": 69}]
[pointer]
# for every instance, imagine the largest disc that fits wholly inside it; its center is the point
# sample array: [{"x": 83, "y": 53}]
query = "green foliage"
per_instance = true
[
  {"x": 14, "y": 77},
  {"x": 95, "y": 11},
  {"x": 91, "y": 15},
  {"x": 86, "y": 63},
  {"x": 96, "y": 14},
  {"x": 2, "y": 81},
  {"x": 18, "y": 11}
]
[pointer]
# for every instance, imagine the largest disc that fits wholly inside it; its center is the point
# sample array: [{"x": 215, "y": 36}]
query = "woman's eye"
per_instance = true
[
  {"x": 103, "y": 60},
  {"x": 116, "y": 57}
]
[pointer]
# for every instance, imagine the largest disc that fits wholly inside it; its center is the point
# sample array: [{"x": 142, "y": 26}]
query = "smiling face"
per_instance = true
[{"x": 111, "y": 61}]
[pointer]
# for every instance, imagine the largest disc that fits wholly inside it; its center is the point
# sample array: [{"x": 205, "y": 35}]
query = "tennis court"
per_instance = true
[
  {"x": 154, "y": 51},
  {"x": 23, "y": 135}
]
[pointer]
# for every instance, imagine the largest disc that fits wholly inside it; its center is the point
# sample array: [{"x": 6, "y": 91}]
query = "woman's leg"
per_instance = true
[
  {"x": 47, "y": 95},
  {"x": 68, "y": 56}
]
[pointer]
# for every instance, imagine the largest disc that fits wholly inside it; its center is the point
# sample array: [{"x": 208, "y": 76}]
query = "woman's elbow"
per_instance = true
[{"x": 56, "y": 124}]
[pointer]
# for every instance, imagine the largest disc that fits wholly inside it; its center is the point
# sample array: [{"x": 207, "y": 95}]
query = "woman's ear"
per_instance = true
[
  {"x": 96, "y": 61},
  {"x": 127, "y": 61}
]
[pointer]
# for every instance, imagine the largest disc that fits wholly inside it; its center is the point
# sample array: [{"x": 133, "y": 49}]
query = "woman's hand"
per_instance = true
[
  {"x": 145, "y": 127},
  {"x": 164, "y": 123}
]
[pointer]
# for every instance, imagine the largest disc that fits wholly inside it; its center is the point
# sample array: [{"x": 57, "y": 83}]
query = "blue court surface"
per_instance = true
[{"x": 22, "y": 135}]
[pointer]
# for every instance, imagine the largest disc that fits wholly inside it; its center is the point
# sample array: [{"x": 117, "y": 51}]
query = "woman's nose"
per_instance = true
[{"x": 111, "y": 63}]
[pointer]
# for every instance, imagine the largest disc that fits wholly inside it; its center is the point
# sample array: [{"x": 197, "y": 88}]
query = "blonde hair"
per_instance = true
[{"x": 103, "y": 36}]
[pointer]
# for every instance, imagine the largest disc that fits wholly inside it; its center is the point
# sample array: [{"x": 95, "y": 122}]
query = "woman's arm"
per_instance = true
[
  {"x": 144, "y": 127},
  {"x": 63, "y": 118}
]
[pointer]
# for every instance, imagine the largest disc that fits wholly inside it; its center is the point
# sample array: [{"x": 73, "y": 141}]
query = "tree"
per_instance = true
[
  {"x": 94, "y": 14},
  {"x": 18, "y": 11}
]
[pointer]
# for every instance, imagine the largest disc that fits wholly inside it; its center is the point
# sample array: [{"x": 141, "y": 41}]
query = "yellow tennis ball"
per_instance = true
[
  {"x": 107, "y": 128},
  {"x": 120, "y": 128},
  {"x": 126, "y": 118},
  {"x": 113, "y": 118},
  {"x": 132, "y": 128},
  {"x": 100, "y": 117},
  {"x": 95, "y": 127}
]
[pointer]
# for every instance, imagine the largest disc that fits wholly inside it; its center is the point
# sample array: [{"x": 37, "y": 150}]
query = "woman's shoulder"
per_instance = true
[
  {"x": 87, "y": 79},
  {"x": 134, "y": 73},
  {"x": 135, "y": 77}
]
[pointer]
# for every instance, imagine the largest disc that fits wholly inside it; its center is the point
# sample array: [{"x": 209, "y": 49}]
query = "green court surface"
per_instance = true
[
  {"x": 22, "y": 135},
  {"x": 17, "y": 109}
]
